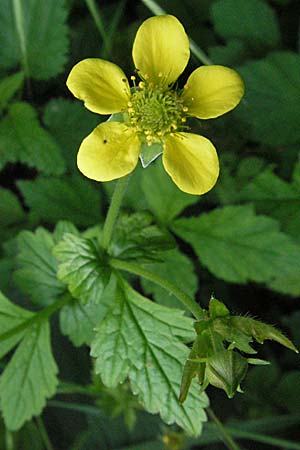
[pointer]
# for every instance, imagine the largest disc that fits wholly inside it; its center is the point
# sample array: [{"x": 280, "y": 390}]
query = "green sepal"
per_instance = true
[
  {"x": 237, "y": 338},
  {"x": 217, "y": 309},
  {"x": 192, "y": 368},
  {"x": 261, "y": 331},
  {"x": 225, "y": 370},
  {"x": 149, "y": 153}
]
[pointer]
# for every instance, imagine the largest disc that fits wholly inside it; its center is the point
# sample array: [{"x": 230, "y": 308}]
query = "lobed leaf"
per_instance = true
[
  {"x": 238, "y": 246},
  {"x": 23, "y": 139},
  {"x": 46, "y": 36},
  {"x": 82, "y": 267},
  {"x": 29, "y": 378},
  {"x": 128, "y": 343}
]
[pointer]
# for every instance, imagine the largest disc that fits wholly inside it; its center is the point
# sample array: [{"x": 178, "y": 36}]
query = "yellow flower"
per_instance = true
[{"x": 153, "y": 112}]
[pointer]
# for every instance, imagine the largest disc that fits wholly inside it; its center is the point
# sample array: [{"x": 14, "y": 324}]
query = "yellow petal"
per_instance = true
[
  {"x": 111, "y": 151},
  {"x": 212, "y": 91},
  {"x": 161, "y": 49},
  {"x": 192, "y": 162},
  {"x": 100, "y": 84}
]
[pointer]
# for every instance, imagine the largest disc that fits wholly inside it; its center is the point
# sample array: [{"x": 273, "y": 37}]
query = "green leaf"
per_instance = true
[
  {"x": 275, "y": 197},
  {"x": 70, "y": 198},
  {"x": 10, "y": 317},
  {"x": 82, "y": 267},
  {"x": 225, "y": 370},
  {"x": 46, "y": 36},
  {"x": 29, "y": 378},
  {"x": 23, "y": 139},
  {"x": 271, "y": 107},
  {"x": 237, "y": 246},
  {"x": 164, "y": 198},
  {"x": 128, "y": 344},
  {"x": 36, "y": 274},
  {"x": 137, "y": 237},
  {"x": 174, "y": 265},
  {"x": 78, "y": 321},
  {"x": 11, "y": 211},
  {"x": 8, "y": 87},
  {"x": 69, "y": 123},
  {"x": 252, "y": 21}
]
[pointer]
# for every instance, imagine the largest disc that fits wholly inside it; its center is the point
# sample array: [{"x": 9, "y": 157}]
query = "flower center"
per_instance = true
[{"x": 155, "y": 111}]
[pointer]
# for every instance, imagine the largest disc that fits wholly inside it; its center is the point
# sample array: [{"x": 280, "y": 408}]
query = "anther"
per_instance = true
[
  {"x": 132, "y": 78},
  {"x": 185, "y": 109},
  {"x": 183, "y": 119},
  {"x": 141, "y": 85}
]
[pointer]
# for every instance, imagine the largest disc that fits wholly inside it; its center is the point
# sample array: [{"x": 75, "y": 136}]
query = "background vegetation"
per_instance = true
[{"x": 248, "y": 254}]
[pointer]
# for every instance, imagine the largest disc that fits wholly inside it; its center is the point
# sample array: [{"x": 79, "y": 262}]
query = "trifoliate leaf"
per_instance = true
[
  {"x": 271, "y": 107},
  {"x": 78, "y": 321},
  {"x": 8, "y": 87},
  {"x": 275, "y": 197},
  {"x": 226, "y": 370},
  {"x": 82, "y": 267},
  {"x": 36, "y": 274},
  {"x": 69, "y": 123},
  {"x": 23, "y": 139},
  {"x": 137, "y": 237},
  {"x": 128, "y": 344},
  {"x": 29, "y": 378},
  {"x": 165, "y": 200},
  {"x": 10, "y": 317},
  {"x": 252, "y": 21},
  {"x": 11, "y": 211},
  {"x": 70, "y": 198},
  {"x": 45, "y": 36},
  {"x": 237, "y": 246},
  {"x": 174, "y": 265}
]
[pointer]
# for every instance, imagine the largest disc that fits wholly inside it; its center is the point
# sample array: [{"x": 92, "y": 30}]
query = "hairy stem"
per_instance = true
[
  {"x": 44, "y": 435},
  {"x": 136, "y": 269},
  {"x": 113, "y": 211},
  {"x": 227, "y": 439}
]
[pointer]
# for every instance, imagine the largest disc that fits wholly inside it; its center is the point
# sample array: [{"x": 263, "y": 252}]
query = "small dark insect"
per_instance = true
[{"x": 104, "y": 141}]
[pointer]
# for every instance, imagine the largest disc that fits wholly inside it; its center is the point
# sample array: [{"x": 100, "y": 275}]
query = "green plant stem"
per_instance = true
[
  {"x": 136, "y": 269},
  {"x": 195, "y": 49},
  {"x": 113, "y": 211},
  {"x": 227, "y": 439},
  {"x": 18, "y": 13},
  {"x": 37, "y": 317},
  {"x": 44, "y": 434},
  {"x": 9, "y": 440},
  {"x": 92, "y": 7}
]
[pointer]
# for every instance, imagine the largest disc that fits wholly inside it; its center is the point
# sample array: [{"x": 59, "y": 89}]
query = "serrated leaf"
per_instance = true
[
  {"x": 70, "y": 198},
  {"x": 174, "y": 265},
  {"x": 271, "y": 107},
  {"x": 23, "y": 139},
  {"x": 237, "y": 246},
  {"x": 82, "y": 267},
  {"x": 275, "y": 197},
  {"x": 69, "y": 123},
  {"x": 8, "y": 87},
  {"x": 36, "y": 274},
  {"x": 10, "y": 317},
  {"x": 165, "y": 200},
  {"x": 29, "y": 378},
  {"x": 78, "y": 321},
  {"x": 11, "y": 211},
  {"x": 46, "y": 36},
  {"x": 137, "y": 237},
  {"x": 128, "y": 343},
  {"x": 252, "y": 21}
]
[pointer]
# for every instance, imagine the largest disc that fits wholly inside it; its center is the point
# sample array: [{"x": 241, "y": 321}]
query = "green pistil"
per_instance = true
[{"x": 155, "y": 112}]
